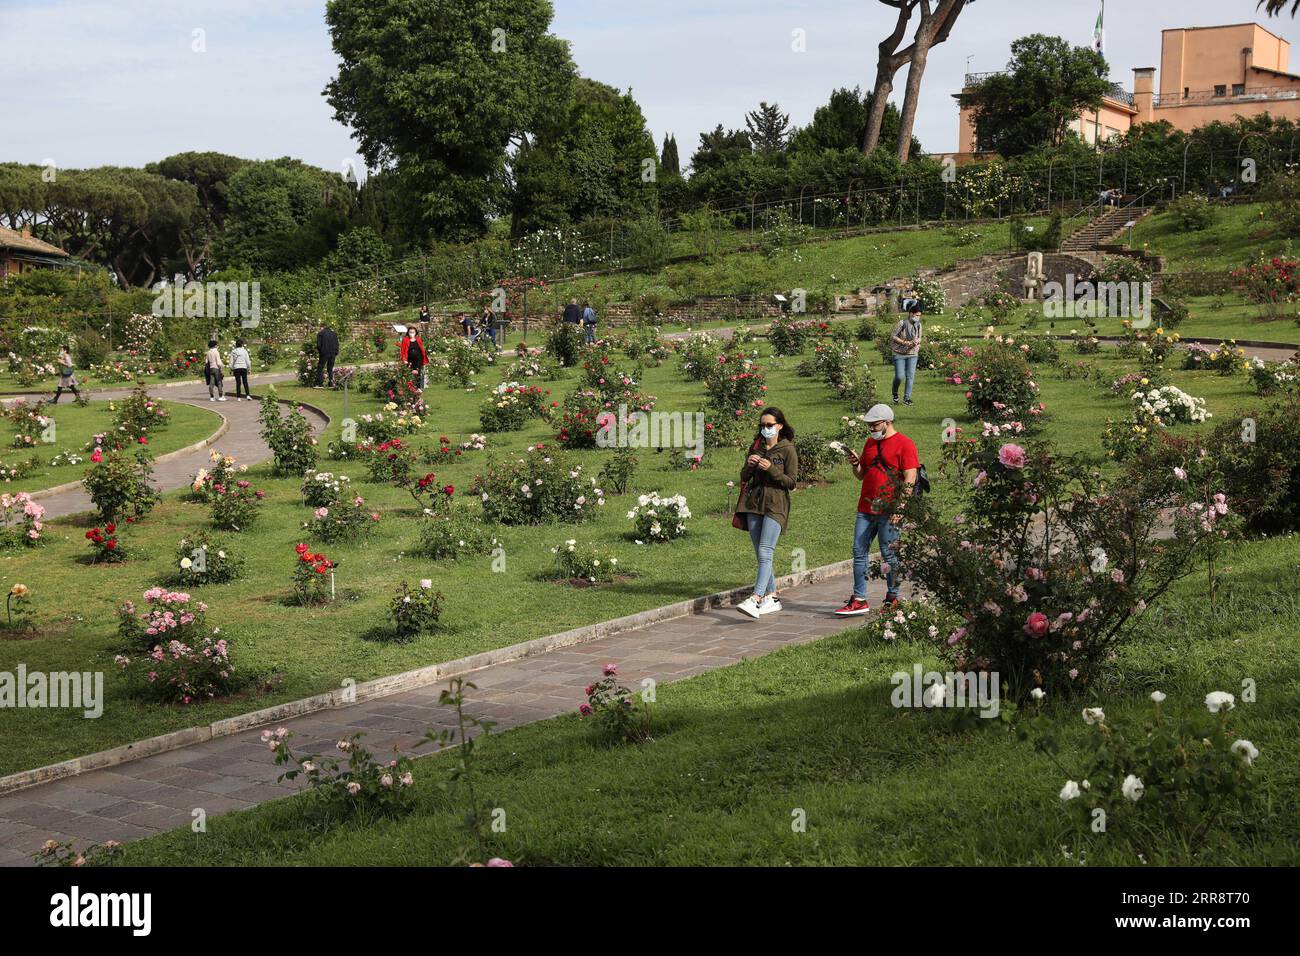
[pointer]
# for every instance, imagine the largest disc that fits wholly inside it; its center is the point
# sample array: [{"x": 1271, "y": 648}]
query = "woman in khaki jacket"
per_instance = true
[{"x": 769, "y": 474}]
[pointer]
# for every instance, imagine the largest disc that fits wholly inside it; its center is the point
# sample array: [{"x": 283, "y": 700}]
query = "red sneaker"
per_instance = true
[
  {"x": 891, "y": 601},
  {"x": 854, "y": 607}
]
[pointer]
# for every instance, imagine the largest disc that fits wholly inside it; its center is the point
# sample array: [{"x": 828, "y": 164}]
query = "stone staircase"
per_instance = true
[{"x": 1102, "y": 228}]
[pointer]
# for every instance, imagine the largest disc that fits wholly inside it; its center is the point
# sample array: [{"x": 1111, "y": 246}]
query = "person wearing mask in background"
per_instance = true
[
  {"x": 327, "y": 350},
  {"x": 768, "y": 475},
  {"x": 573, "y": 314},
  {"x": 240, "y": 363},
  {"x": 67, "y": 376},
  {"x": 214, "y": 373},
  {"x": 589, "y": 323},
  {"x": 887, "y": 468},
  {"x": 906, "y": 342},
  {"x": 415, "y": 356}
]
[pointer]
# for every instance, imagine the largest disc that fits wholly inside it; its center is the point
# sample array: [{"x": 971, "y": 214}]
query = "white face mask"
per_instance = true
[
  {"x": 880, "y": 435},
  {"x": 770, "y": 431}
]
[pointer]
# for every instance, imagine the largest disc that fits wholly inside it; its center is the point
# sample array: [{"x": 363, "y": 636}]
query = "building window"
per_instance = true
[
  {"x": 1221, "y": 90},
  {"x": 1238, "y": 89},
  {"x": 1187, "y": 90}
]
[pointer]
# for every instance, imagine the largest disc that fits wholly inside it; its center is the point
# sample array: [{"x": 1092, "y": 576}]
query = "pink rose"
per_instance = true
[
  {"x": 1036, "y": 625},
  {"x": 1012, "y": 456}
]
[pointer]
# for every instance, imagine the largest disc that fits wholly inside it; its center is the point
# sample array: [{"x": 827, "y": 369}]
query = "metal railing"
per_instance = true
[{"x": 1212, "y": 97}]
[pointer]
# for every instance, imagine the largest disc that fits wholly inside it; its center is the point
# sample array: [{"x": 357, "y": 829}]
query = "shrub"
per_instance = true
[
  {"x": 916, "y": 622},
  {"x": 1000, "y": 386},
  {"x": 564, "y": 342},
  {"x": 268, "y": 354},
  {"x": 1191, "y": 212},
  {"x": 586, "y": 412},
  {"x": 930, "y": 294},
  {"x": 584, "y": 562},
  {"x": 543, "y": 487},
  {"x": 236, "y": 506},
  {"x": 1270, "y": 282},
  {"x": 104, "y": 545},
  {"x": 618, "y": 471},
  {"x": 168, "y": 616},
  {"x": 415, "y": 611},
  {"x": 618, "y": 717},
  {"x": 345, "y": 520},
  {"x": 202, "y": 559},
  {"x": 505, "y": 410},
  {"x": 364, "y": 788},
  {"x": 1271, "y": 379},
  {"x": 1168, "y": 405},
  {"x": 454, "y": 534},
  {"x": 289, "y": 437},
  {"x": 1027, "y": 237},
  {"x": 735, "y": 383},
  {"x": 1048, "y": 610},
  {"x": 788, "y": 336},
  {"x": 313, "y": 577},
  {"x": 816, "y": 458},
  {"x": 90, "y": 349},
  {"x": 323, "y": 488},
  {"x": 22, "y": 521},
  {"x": 698, "y": 353},
  {"x": 393, "y": 382},
  {"x": 659, "y": 519},
  {"x": 1160, "y": 783},
  {"x": 223, "y": 472},
  {"x": 139, "y": 416},
  {"x": 181, "y": 673},
  {"x": 119, "y": 486}
]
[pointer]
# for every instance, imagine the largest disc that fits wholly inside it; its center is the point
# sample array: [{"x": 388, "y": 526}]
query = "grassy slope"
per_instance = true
[
  {"x": 1237, "y": 234},
  {"x": 879, "y": 785},
  {"x": 313, "y": 650},
  {"x": 76, "y": 426}
]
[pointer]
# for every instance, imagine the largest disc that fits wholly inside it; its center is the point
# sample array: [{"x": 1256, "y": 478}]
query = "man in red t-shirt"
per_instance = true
[{"x": 887, "y": 468}]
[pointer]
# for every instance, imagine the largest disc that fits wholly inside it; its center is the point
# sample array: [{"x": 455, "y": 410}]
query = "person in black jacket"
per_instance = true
[
  {"x": 572, "y": 313},
  {"x": 327, "y": 350}
]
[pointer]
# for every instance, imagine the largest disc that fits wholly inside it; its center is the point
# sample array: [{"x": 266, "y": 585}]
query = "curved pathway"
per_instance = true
[{"x": 242, "y": 439}]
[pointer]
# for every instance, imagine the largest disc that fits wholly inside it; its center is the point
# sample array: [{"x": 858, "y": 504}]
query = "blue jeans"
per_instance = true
[
  {"x": 904, "y": 371},
  {"x": 590, "y": 334},
  {"x": 867, "y": 527},
  {"x": 764, "y": 532}
]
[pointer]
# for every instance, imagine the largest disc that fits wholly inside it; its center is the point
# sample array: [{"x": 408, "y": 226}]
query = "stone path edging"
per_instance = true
[{"x": 398, "y": 683}]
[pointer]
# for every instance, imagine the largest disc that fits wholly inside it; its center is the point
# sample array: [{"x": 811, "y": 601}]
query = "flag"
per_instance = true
[{"x": 1099, "y": 31}]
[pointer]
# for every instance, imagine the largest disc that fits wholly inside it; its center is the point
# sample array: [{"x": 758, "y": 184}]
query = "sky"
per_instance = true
[{"x": 126, "y": 82}]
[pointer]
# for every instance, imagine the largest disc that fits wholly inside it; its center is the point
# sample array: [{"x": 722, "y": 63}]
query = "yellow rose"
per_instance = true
[{"x": 20, "y": 590}]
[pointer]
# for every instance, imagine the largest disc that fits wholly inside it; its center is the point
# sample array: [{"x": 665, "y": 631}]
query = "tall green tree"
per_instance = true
[
  {"x": 1047, "y": 84},
  {"x": 769, "y": 128},
  {"x": 669, "y": 163},
  {"x": 720, "y": 148},
  {"x": 442, "y": 90},
  {"x": 841, "y": 123}
]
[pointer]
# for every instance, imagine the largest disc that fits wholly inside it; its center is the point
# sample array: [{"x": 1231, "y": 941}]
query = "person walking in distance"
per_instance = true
[
  {"x": 67, "y": 376},
  {"x": 589, "y": 323},
  {"x": 415, "y": 356},
  {"x": 769, "y": 475},
  {"x": 572, "y": 313},
  {"x": 887, "y": 468},
  {"x": 214, "y": 372},
  {"x": 327, "y": 350},
  {"x": 240, "y": 363},
  {"x": 906, "y": 342}
]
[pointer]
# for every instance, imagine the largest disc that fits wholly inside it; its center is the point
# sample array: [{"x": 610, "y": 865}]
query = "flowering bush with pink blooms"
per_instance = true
[
  {"x": 1000, "y": 386},
  {"x": 1048, "y": 565},
  {"x": 184, "y": 673},
  {"x": 353, "y": 784},
  {"x": 237, "y": 505},
  {"x": 543, "y": 487},
  {"x": 347, "y": 519},
  {"x": 618, "y": 716},
  {"x": 22, "y": 521},
  {"x": 167, "y": 615}
]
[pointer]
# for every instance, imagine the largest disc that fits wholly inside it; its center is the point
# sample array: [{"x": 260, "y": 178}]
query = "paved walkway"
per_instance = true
[
  {"x": 242, "y": 439},
  {"x": 160, "y": 792}
]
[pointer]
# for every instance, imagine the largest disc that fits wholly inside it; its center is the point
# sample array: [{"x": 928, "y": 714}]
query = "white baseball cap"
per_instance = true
[{"x": 879, "y": 413}]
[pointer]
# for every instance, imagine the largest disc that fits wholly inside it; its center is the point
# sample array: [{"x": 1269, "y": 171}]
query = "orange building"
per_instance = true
[{"x": 1206, "y": 74}]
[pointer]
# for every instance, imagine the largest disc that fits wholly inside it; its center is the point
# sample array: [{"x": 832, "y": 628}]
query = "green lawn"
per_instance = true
[
  {"x": 879, "y": 785},
  {"x": 1236, "y": 235},
  {"x": 75, "y": 426},
  {"x": 305, "y": 651}
]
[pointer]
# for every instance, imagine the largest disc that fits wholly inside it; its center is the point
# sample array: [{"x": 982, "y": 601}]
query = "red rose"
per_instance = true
[
  {"x": 110, "y": 528},
  {"x": 449, "y": 490},
  {"x": 111, "y": 545},
  {"x": 300, "y": 548},
  {"x": 91, "y": 533}
]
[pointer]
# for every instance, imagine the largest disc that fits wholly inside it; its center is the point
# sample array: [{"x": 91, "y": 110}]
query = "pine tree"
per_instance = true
[{"x": 769, "y": 128}]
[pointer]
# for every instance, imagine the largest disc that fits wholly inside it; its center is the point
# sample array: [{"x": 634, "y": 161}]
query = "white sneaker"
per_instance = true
[
  {"x": 748, "y": 606},
  {"x": 770, "y": 605},
  {"x": 211, "y": 398},
  {"x": 222, "y": 398}
]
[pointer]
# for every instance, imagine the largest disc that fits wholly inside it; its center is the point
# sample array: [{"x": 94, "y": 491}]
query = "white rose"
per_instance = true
[
  {"x": 1133, "y": 788},
  {"x": 1069, "y": 791},
  {"x": 1219, "y": 700}
]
